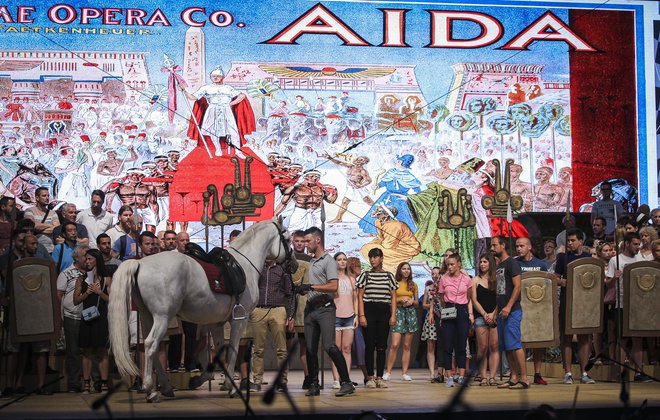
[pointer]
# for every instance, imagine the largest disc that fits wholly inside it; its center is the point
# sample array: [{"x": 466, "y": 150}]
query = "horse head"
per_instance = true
[{"x": 285, "y": 256}]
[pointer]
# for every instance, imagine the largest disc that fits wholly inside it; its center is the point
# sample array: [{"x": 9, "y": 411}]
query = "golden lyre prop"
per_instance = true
[
  {"x": 499, "y": 202},
  {"x": 238, "y": 201},
  {"x": 458, "y": 216}
]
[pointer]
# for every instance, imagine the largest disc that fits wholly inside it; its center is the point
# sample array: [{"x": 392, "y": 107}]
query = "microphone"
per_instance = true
[
  {"x": 269, "y": 396},
  {"x": 592, "y": 361},
  {"x": 103, "y": 400}
]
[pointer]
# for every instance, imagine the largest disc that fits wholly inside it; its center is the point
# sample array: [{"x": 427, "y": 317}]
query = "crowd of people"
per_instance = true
[{"x": 364, "y": 313}]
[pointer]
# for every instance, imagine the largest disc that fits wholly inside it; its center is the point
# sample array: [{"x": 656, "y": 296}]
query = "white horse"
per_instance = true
[{"x": 172, "y": 284}]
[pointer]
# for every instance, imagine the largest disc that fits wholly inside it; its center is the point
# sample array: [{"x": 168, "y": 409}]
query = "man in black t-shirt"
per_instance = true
[{"x": 508, "y": 275}]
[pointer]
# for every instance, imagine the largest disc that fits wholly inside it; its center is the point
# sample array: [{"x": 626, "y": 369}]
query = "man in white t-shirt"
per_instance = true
[
  {"x": 630, "y": 254},
  {"x": 95, "y": 219},
  {"x": 66, "y": 284}
]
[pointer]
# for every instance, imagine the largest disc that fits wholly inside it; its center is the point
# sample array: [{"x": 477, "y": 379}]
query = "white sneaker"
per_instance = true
[
  {"x": 568, "y": 379},
  {"x": 405, "y": 377},
  {"x": 386, "y": 376},
  {"x": 586, "y": 379},
  {"x": 450, "y": 382},
  {"x": 336, "y": 385}
]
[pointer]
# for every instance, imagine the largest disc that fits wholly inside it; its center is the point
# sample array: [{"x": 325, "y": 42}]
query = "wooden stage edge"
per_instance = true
[{"x": 402, "y": 400}]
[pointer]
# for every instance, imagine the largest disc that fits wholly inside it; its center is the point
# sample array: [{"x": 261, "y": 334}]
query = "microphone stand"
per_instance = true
[
  {"x": 218, "y": 362},
  {"x": 269, "y": 396},
  {"x": 103, "y": 400},
  {"x": 22, "y": 397},
  {"x": 624, "y": 394}
]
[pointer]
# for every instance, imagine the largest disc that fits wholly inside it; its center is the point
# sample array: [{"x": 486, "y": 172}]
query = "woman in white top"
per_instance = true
[
  {"x": 346, "y": 321},
  {"x": 647, "y": 234}
]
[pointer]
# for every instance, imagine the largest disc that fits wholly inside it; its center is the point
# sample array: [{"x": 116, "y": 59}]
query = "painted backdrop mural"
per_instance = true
[{"x": 388, "y": 125}]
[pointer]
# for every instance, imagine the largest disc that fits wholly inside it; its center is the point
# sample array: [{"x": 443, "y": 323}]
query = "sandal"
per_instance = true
[
  {"x": 477, "y": 378},
  {"x": 520, "y": 385},
  {"x": 104, "y": 386},
  {"x": 505, "y": 385},
  {"x": 492, "y": 382},
  {"x": 484, "y": 382},
  {"x": 86, "y": 386}
]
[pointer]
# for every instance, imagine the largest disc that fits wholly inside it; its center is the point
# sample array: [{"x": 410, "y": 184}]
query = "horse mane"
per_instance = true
[{"x": 248, "y": 234}]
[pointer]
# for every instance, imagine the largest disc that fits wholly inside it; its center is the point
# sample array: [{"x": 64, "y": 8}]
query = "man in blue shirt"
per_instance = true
[
  {"x": 62, "y": 252},
  {"x": 528, "y": 262}
]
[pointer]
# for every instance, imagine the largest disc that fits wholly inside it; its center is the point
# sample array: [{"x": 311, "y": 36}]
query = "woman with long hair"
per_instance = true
[
  {"x": 429, "y": 328},
  {"x": 93, "y": 338},
  {"x": 407, "y": 299},
  {"x": 346, "y": 321},
  {"x": 647, "y": 234},
  {"x": 485, "y": 324},
  {"x": 354, "y": 268},
  {"x": 606, "y": 251},
  {"x": 455, "y": 291}
]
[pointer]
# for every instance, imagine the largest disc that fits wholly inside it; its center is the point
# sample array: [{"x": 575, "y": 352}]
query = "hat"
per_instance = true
[
  {"x": 85, "y": 138},
  {"x": 135, "y": 171},
  {"x": 103, "y": 133},
  {"x": 160, "y": 157},
  {"x": 149, "y": 164},
  {"x": 174, "y": 152},
  {"x": 312, "y": 172},
  {"x": 471, "y": 166},
  {"x": 218, "y": 71}
]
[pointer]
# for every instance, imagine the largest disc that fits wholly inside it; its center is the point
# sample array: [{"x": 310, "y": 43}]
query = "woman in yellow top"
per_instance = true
[{"x": 406, "y": 320}]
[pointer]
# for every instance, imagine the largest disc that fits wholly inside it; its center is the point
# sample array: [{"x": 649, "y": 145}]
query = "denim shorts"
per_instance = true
[{"x": 344, "y": 323}]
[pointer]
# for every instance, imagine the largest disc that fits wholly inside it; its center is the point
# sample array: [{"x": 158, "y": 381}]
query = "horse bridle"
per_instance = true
[{"x": 287, "y": 250}]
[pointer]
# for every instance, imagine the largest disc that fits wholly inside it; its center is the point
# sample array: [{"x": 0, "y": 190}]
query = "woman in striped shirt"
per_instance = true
[{"x": 377, "y": 312}]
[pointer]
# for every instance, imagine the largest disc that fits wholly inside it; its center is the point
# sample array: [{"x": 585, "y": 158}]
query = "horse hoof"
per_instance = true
[{"x": 153, "y": 398}]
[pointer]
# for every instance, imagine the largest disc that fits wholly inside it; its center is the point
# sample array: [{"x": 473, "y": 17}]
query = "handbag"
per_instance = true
[
  {"x": 610, "y": 295},
  {"x": 448, "y": 313},
  {"x": 91, "y": 313}
]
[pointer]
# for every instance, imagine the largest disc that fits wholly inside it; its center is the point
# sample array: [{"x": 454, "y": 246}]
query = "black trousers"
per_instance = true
[
  {"x": 321, "y": 323},
  {"x": 375, "y": 335},
  {"x": 454, "y": 336}
]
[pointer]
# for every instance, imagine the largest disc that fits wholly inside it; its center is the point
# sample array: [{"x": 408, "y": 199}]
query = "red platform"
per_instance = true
[{"x": 196, "y": 171}]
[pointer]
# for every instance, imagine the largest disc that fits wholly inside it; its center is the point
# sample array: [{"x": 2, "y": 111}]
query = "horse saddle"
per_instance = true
[{"x": 223, "y": 272}]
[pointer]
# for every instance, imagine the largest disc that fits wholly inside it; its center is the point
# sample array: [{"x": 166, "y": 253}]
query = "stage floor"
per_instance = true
[{"x": 402, "y": 399}]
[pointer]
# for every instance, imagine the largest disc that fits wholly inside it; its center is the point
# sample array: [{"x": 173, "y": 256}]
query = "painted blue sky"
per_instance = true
[{"x": 264, "y": 19}]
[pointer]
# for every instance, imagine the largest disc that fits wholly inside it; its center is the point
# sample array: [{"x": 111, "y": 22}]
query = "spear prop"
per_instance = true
[{"x": 175, "y": 79}]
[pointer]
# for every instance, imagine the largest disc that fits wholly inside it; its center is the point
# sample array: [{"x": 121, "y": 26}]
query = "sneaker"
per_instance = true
[
  {"x": 370, "y": 383},
  {"x": 336, "y": 385},
  {"x": 438, "y": 379},
  {"x": 314, "y": 390},
  {"x": 381, "y": 383},
  {"x": 568, "y": 379},
  {"x": 460, "y": 380},
  {"x": 306, "y": 382},
  {"x": 44, "y": 391},
  {"x": 386, "y": 377},
  {"x": 282, "y": 388},
  {"x": 538, "y": 379},
  {"x": 450, "y": 382},
  {"x": 405, "y": 377},
  {"x": 345, "y": 389},
  {"x": 642, "y": 378},
  {"x": 586, "y": 379}
]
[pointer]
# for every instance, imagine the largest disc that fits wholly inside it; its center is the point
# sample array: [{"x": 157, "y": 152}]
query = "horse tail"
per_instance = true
[{"x": 118, "y": 309}]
